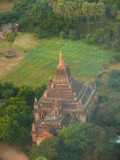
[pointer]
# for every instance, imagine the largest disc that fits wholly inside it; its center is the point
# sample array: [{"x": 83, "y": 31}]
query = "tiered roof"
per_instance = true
[{"x": 65, "y": 89}]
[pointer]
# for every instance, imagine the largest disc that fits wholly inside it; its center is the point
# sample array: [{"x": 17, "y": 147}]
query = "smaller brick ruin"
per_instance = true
[{"x": 64, "y": 102}]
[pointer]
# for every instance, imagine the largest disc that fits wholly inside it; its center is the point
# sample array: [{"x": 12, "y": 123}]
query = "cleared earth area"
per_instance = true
[{"x": 8, "y": 152}]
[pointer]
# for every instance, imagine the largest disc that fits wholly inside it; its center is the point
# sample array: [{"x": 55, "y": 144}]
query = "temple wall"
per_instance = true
[
  {"x": 39, "y": 137},
  {"x": 37, "y": 117},
  {"x": 92, "y": 107}
]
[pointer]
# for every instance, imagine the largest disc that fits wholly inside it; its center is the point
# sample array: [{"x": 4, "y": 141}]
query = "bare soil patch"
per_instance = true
[
  {"x": 8, "y": 64},
  {"x": 110, "y": 67},
  {"x": 8, "y": 152}
]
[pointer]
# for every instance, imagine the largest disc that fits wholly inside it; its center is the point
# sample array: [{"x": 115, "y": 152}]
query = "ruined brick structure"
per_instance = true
[{"x": 64, "y": 102}]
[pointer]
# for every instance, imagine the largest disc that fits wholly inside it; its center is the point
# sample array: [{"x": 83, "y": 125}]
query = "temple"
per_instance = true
[{"x": 64, "y": 102}]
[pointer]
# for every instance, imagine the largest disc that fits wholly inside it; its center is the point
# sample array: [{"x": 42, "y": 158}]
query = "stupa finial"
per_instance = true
[
  {"x": 61, "y": 61},
  {"x": 35, "y": 99}
]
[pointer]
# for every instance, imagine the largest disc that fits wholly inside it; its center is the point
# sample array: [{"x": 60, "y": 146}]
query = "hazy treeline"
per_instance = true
[{"x": 96, "y": 21}]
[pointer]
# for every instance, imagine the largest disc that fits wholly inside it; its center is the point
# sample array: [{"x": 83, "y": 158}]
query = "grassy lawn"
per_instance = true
[{"x": 85, "y": 61}]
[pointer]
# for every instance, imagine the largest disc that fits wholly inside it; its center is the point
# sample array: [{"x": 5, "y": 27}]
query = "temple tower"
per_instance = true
[{"x": 64, "y": 102}]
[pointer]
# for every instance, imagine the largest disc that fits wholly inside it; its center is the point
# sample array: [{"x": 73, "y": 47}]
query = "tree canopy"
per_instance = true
[{"x": 79, "y": 141}]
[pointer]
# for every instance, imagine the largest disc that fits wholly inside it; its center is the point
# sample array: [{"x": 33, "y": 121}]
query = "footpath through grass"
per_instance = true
[{"x": 85, "y": 61}]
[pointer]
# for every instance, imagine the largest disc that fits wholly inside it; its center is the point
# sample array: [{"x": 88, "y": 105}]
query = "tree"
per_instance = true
[
  {"x": 114, "y": 10},
  {"x": 11, "y": 131},
  {"x": 116, "y": 42},
  {"x": 118, "y": 15},
  {"x": 26, "y": 94},
  {"x": 10, "y": 38},
  {"x": 9, "y": 90},
  {"x": 10, "y": 1},
  {"x": 47, "y": 148},
  {"x": 18, "y": 113},
  {"x": 94, "y": 11},
  {"x": 40, "y": 11},
  {"x": 69, "y": 9},
  {"x": 101, "y": 12},
  {"x": 80, "y": 140},
  {"x": 86, "y": 12},
  {"x": 61, "y": 7},
  {"x": 1, "y": 90},
  {"x": 78, "y": 9},
  {"x": 39, "y": 91}
]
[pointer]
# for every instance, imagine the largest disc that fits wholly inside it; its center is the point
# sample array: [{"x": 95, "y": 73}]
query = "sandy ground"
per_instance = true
[
  {"x": 7, "y": 65},
  {"x": 8, "y": 152}
]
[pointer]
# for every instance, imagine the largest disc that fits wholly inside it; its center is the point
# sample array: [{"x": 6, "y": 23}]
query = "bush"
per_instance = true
[
  {"x": 15, "y": 34},
  {"x": 116, "y": 45},
  {"x": 114, "y": 79},
  {"x": 102, "y": 98},
  {"x": 105, "y": 46},
  {"x": 8, "y": 90},
  {"x": 98, "y": 82},
  {"x": 116, "y": 57},
  {"x": 63, "y": 35},
  {"x": 26, "y": 24},
  {"x": 102, "y": 36},
  {"x": 43, "y": 34},
  {"x": 82, "y": 36},
  {"x": 88, "y": 38},
  {"x": 73, "y": 35},
  {"x": 41, "y": 158}
]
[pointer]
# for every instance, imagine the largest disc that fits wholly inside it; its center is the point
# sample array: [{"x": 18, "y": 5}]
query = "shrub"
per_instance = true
[
  {"x": 116, "y": 57},
  {"x": 102, "y": 98},
  {"x": 41, "y": 158},
  {"x": 98, "y": 82},
  {"x": 15, "y": 34},
  {"x": 114, "y": 79},
  {"x": 26, "y": 24},
  {"x": 82, "y": 36},
  {"x": 88, "y": 38},
  {"x": 43, "y": 34},
  {"x": 8, "y": 90},
  {"x": 102, "y": 36},
  {"x": 73, "y": 35},
  {"x": 105, "y": 46},
  {"x": 63, "y": 35},
  {"x": 116, "y": 45}
]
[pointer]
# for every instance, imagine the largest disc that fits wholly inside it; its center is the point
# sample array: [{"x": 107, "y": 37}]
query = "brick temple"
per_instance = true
[{"x": 64, "y": 102}]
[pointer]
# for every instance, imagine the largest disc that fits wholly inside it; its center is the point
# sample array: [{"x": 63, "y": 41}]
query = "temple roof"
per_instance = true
[
  {"x": 65, "y": 89},
  {"x": 61, "y": 61},
  {"x": 63, "y": 73}
]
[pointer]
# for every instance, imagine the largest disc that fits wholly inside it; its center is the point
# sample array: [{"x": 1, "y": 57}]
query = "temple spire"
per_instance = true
[
  {"x": 61, "y": 61},
  {"x": 35, "y": 99}
]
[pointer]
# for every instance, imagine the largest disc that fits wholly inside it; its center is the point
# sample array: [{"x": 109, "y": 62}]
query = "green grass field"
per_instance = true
[{"x": 85, "y": 61}]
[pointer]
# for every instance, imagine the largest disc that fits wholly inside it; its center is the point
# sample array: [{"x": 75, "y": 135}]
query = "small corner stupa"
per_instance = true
[{"x": 64, "y": 102}]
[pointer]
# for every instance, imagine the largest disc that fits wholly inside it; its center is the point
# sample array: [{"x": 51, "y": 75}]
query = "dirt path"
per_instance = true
[{"x": 8, "y": 152}]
